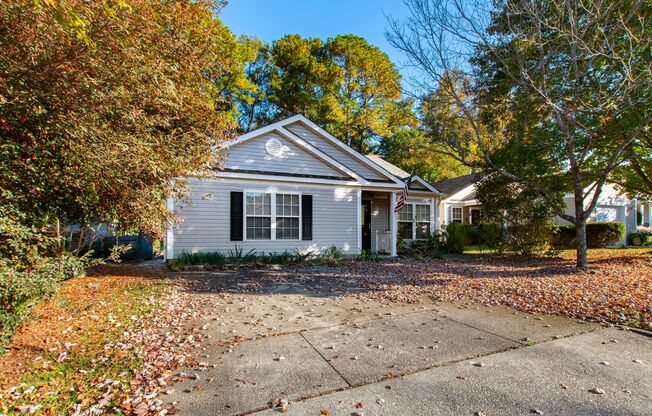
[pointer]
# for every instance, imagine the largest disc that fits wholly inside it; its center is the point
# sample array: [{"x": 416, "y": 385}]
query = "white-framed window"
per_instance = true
[
  {"x": 421, "y": 221},
  {"x": 258, "y": 209},
  {"x": 414, "y": 221},
  {"x": 405, "y": 221},
  {"x": 287, "y": 216},
  {"x": 272, "y": 216},
  {"x": 456, "y": 214}
]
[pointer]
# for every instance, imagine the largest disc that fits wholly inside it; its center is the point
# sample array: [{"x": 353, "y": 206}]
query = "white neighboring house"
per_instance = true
[
  {"x": 460, "y": 205},
  {"x": 614, "y": 205},
  {"x": 293, "y": 186}
]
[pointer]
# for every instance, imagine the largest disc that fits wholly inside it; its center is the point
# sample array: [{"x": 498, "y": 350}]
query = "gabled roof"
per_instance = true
[
  {"x": 280, "y": 127},
  {"x": 401, "y": 174},
  {"x": 393, "y": 169},
  {"x": 451, "y": 186}
]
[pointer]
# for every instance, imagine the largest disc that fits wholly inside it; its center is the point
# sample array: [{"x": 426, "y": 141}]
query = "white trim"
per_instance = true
[
  {"x": 414, "y": 221},
  {"x": 392, "y": 223},
  {"x": 273, "y": 178},
  {"x": 169, "y": 232},
  {"x": 452, "y": 217},
  {"x": 359, "y": 222},
  {"x": 460, "y": 194},
  {"x": 424, "y": 183},
  {"x": 344, "y": 147},
  {"x": 272, "y": 216}
]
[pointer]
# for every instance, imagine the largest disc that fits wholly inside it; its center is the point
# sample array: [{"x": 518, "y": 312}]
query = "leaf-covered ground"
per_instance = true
[
  {"x": 617, "y": 289},
  {"x": 105, "y": 343}
]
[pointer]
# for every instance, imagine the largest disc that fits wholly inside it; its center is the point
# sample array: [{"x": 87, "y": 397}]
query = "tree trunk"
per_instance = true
[{"x": 580, "y": 236}]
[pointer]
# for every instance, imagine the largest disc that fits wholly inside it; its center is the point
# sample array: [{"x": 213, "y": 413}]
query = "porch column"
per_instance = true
[
  {"x": 359, "y": 222},
  {"x": 392, "y": 222},
  {"x": 433, "y": 220}
]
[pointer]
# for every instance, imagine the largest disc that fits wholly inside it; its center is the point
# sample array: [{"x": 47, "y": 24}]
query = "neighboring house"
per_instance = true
[
  {"x": 292, "y": 186},
  {"x": 460, "y": 203},
  {"x": 614, "y": 205}
]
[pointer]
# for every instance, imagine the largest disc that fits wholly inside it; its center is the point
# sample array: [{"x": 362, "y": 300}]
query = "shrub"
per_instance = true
[
  {"x": 238, "y": 256},
  {"x": 330, "y": 255},
  {"x": 276, "y": 258},
  {"x": 565, "y": 236},
  {"x": 29, "y": 270},
  {"x": 368, "y": 255},
  {"x": 604, "y": 234},
  {"x": 645, "y": 233},
  {"x": 489, "y": 235},
  {"x": 433, "y": 246},
  {"x": 454, "y": 238},
  {"x": 532, "y": 238},
  {"x": 187, "y": 258}
]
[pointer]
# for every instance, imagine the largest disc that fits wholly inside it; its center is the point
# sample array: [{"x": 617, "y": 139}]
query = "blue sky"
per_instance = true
[{"x": 269, "y": 20}]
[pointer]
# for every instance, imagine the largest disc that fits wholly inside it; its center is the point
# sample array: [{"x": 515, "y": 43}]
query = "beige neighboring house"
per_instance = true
[{"x": 460, "y": 203}]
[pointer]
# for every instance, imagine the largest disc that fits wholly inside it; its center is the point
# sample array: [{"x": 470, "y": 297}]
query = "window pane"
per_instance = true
[
  {"x": 405, "y": 214},
  {"x": 423, "y": 230},
  {"x": 456, "y": 214},
  {"x": 287, "y": 228},
  {"x": 422, "y": 213},
  {"x": 258, "y": 228},
  {"x": 287, "y": 205},
  {"x": 405, "y": 230}
]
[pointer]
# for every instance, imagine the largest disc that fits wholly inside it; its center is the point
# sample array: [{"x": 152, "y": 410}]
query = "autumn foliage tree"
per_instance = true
[{"x": 102, "y": 103}]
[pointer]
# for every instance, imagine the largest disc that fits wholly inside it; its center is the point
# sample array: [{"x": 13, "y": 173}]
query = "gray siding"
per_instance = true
[
  {"x": 334, "y": 151},
  {"x": 251, "y": 155},
  {"x": 205, "y": 217}
]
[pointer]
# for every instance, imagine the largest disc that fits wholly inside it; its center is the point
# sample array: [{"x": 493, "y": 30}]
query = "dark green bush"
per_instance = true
[
  {"x": 604, "y": 234},
  {"x": 532, "y": 238},
  {"x": 455, "y": 238},
  {"x": 598, "y": 234},
  {"x": 565, "y": 236}
]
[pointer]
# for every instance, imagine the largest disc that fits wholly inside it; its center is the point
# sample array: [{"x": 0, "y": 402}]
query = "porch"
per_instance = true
[{"x": 381, "y": 227}]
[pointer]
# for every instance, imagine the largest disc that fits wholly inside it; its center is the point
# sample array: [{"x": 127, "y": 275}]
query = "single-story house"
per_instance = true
[
  {"x": 292, "y": 186},
  {"x": 614, "y": 205},
  {"x": 460, "y": 204}
]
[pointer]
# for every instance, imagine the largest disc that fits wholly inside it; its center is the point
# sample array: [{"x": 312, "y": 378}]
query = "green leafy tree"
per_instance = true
[
  {"x": 344, "y": 84},
  {"x": 412, "y": 151},
  {"x": 550, "y": 94}
]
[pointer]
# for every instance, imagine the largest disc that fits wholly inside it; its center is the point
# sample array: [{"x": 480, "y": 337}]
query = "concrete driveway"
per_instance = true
[{"x": 323, "y": 352}]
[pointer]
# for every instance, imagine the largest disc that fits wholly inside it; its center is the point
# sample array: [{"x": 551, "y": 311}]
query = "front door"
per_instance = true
[
  {"x": 475, "y": 216},
  {"x": 366, "y": 225}
]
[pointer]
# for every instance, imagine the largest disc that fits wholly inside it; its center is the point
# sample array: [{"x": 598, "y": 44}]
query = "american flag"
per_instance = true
[{"x": 402, "y": 200}]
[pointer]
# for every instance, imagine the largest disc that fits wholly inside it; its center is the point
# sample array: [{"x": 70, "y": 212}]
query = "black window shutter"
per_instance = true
[
  {"x": 306, "y": 217},
  {"x": 236, "y": 216}
]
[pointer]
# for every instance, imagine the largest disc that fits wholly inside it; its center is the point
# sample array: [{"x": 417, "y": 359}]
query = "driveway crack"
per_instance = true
[{"x": 324, "y": 358}]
